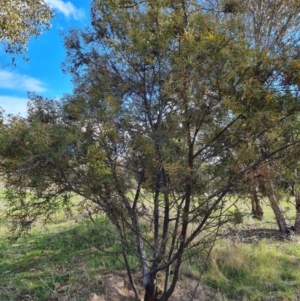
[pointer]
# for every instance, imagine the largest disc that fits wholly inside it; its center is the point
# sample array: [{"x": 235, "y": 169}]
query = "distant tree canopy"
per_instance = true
[
  {"x": 21, "y": 19},
  {"x": 177, "y": 108}
]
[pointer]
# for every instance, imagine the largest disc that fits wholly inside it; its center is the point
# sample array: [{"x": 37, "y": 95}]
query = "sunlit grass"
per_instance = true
[
  {"x": 63, "y": 257},
  {"x": 254, "y": 271},
  {"x": 244, "y": 205}
]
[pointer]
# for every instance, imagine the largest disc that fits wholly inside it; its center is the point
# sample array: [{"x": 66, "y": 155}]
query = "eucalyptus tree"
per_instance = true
[{"x": 161, "y": 127}]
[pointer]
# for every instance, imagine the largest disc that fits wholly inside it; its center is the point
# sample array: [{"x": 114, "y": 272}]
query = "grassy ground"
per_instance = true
[
  {"x": 57, "y": 262},
  {"x": 255, "y": 271},
  {"x": 260, "y": 269}
]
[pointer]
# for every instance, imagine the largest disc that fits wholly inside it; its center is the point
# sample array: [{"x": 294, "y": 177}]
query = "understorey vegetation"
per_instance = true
[{"x": 73, "y": 258}]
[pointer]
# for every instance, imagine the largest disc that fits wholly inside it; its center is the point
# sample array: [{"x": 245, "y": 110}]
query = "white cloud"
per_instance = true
[
  {"x": 66, "y": 8},
  {"x": 14, "y": 105},
  {"x": 16, "y": 81}
]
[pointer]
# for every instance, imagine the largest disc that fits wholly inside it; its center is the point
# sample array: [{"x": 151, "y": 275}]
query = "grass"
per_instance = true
[
  {"x": 287, "y": 206},
  {"x": 57, "y": 262},
  {"x": 264, "y": 270},
  {"x": 255, "y": 271},
  {"x": 60, "y": 261}
]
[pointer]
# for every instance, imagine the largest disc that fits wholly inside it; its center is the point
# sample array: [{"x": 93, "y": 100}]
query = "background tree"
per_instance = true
[
  {"x": 21, "y": 19},
  {"x": 275, "y": 47},
  {"x": 164, "y": 124}
]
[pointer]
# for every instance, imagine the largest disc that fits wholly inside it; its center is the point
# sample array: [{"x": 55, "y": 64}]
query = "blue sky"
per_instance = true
[{"x": 42, "y": 73}]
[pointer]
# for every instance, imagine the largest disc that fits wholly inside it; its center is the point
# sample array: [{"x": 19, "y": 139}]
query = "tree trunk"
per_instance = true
[
  {"x": 297, "y": 219},
  {"x": 279, "y": 215},
  {"x": 271, "y": 192},
  {"x": 257, "y": 210},
  {"x": 150, "y": 292},
  {"x": 150, "y": 281}
]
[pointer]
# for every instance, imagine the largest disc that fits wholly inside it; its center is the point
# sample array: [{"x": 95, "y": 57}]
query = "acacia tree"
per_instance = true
[
  {"x": 21, "y": 19},
  {"x": 163, "y": 115}
]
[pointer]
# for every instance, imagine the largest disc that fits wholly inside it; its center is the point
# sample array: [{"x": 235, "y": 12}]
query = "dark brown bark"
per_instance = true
[
  {"x": 297, "y": 206},
  {"x": 150, "y": 292},
  {"x": 257, "y": 210}
]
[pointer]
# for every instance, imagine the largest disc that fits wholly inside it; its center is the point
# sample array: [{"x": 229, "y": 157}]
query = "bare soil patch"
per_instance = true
[
  {"x": 117, "y": 288},
  {"x": 257, "y": 234}
]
